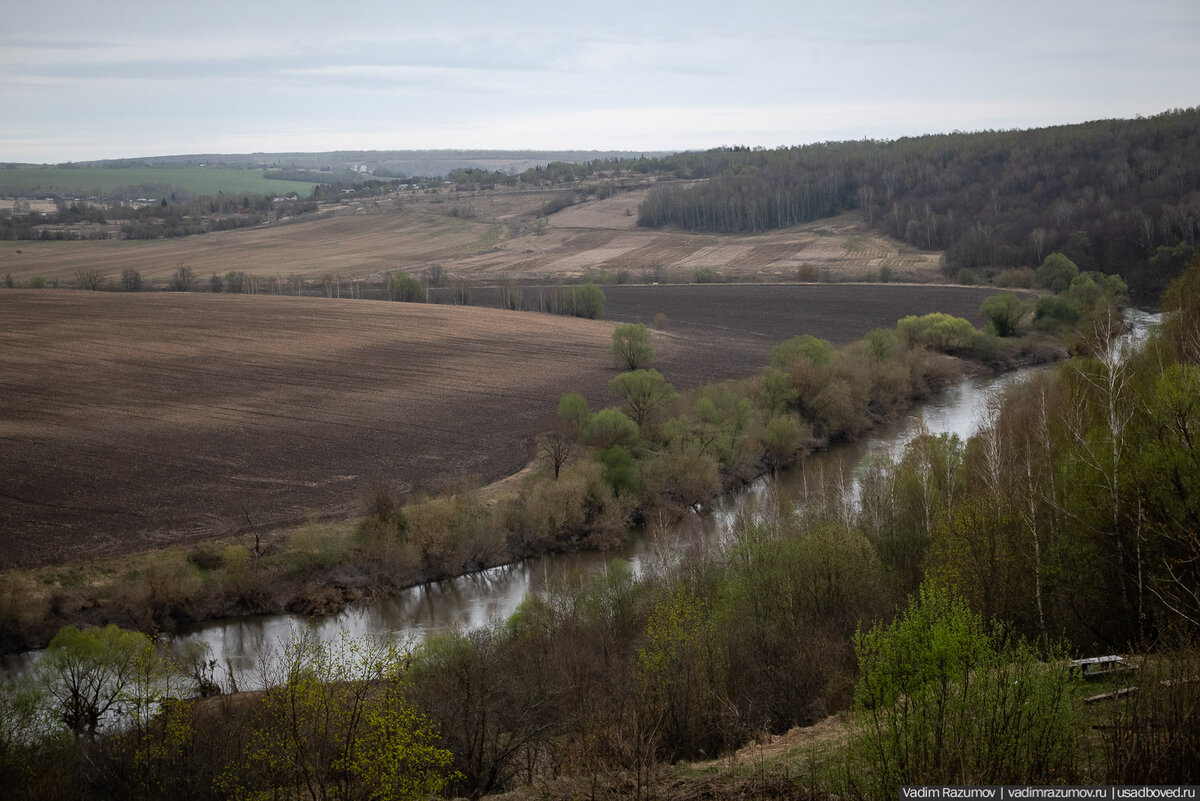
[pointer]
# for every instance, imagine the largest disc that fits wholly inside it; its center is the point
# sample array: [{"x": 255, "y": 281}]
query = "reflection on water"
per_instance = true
[
  {"x": 466, "y": 602},
  {"x": 959, "y": 410},
  {"x": 491, "y": 595}
]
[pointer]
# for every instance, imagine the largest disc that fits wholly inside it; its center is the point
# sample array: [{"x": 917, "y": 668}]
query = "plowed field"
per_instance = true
[
  {"x": 134, "y": 420},
  {"x": 130, "y": 421}
]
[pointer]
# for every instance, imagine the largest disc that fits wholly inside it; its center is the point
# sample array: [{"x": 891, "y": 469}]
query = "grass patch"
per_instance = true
[{"x": 129, "y": 182}]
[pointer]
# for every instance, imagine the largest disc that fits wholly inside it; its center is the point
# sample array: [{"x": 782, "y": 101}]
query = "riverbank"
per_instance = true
[{"x": 323, "y": 567}]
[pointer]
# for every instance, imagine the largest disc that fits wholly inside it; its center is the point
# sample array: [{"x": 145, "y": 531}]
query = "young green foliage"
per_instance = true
[
  {"x": 1004, "y": 313},
  {"x": 644, "y": 394},
  {"x": 631, "y": 348},
  {"x": 941, "y": 698}
]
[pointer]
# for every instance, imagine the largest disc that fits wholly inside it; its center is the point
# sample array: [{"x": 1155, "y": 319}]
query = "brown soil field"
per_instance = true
[
  {"x": 133, "y": 421},
  {"x": 738, "y": 324},
  {"x": 714, "y": 328},
  {"x": 483, "y": 236}
]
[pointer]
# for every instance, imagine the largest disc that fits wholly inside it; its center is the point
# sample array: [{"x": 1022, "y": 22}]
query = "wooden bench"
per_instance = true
[{"x": 1098, "y": 667}]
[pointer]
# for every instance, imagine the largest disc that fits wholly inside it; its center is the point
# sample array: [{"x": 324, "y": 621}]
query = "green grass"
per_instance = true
[{"x": 141, "y": 182}]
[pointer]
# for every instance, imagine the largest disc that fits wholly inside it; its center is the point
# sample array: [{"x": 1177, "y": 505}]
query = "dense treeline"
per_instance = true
[
  {"x": 363, "y": 188},
  {"x": 762, "y": 193},
  {"x": 1109, "y": 194}
]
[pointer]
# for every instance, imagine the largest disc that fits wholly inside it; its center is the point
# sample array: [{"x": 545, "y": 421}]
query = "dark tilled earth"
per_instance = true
[{"x": 130, "y": 421}]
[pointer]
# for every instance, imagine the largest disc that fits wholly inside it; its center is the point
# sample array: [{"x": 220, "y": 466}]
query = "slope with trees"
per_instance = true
[{"x": 1120, "y": 196}]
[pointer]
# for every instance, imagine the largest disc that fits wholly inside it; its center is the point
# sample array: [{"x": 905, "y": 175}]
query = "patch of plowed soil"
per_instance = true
[
  {"x": 664, "y": 250},
  {"x": 131, "y": 421},
  {"x": 718, "y": 327}
]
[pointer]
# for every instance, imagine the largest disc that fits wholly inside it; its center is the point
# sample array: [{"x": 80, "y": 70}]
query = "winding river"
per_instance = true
[{"x": 477, "y": 599}]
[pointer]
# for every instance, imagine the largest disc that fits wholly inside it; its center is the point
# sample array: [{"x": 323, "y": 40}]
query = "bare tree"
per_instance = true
[
  {"x": 131, "y": 280},
  {"x": 558, "y": 443},
  {"x": 1106, "y": 385},
  {"x": 1038, "y": 235},
  {"x": 436, "y": 276},
  {"x": 90, "y": 279},
  {"x": 181, "y": 281}
]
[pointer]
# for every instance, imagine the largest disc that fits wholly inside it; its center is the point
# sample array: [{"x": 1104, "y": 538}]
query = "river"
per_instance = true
[{"x": 479, "y": 598}]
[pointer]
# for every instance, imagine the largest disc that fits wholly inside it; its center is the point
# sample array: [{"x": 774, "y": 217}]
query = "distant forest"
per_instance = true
[{"x": 1118, "y": 196}]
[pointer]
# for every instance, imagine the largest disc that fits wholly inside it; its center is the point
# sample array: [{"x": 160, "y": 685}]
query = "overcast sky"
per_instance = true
[{"x": 88, "y": 80}]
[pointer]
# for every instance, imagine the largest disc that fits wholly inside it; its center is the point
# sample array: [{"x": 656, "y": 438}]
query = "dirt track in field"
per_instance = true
[{"x": 132, "y": 421}]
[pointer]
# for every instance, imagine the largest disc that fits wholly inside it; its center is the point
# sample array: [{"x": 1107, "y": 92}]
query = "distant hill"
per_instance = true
[
  {"x": 1119, "y": 196},
  {"x": 387, "y": 163}
]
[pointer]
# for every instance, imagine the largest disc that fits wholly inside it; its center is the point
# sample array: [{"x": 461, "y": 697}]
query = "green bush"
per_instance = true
[
  {"x": 644, "y": 394},
  {"x": 942, "y": 698},
  {"x": 609, "y": 427},
  {"x": 620, "y": 474},
  {"x": 936, "y": 331},
  {"x": 781, "y": 439},
  {"x": 1058, "y": 309},
  {"x": 880, "y": 344},
  {"x": 404, "y": 287},
  {"x": 573, "y": 408},
  {"x": 1004, "y": 313},
  {"x": 315, "y": 546},
  {"x": 1057, "y": 272},
  {"x": 818, "y": 351},
  {"x": 588, "y": 302},
  {"x": 984, "y": 346},
  {"x": 631, "y": 348}
]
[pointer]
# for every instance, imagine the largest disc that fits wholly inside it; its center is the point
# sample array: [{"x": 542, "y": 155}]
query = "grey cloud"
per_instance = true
[
  {"x": 477, "y": 53},
  {"x": 57, "y": 44},
  {"x": 486, "y": 56}
]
